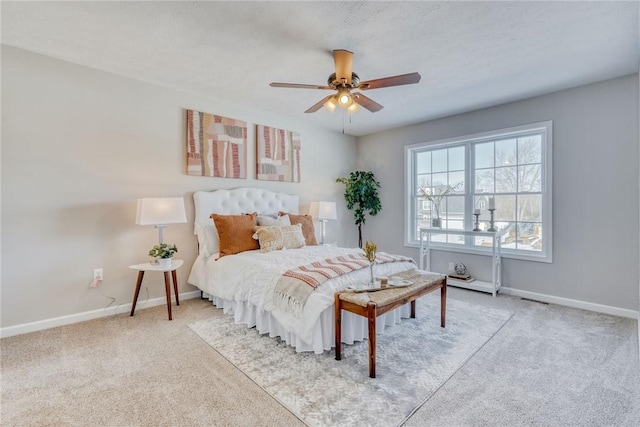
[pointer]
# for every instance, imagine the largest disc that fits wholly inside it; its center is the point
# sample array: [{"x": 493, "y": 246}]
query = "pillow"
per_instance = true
[
  {"x": 208, "y": 242},
  {"x": 307, "y": 227},
  {"x": 268, "y": 221},
  {"x": 276, "y": 238},
  {"x": 235, "y": 233}
]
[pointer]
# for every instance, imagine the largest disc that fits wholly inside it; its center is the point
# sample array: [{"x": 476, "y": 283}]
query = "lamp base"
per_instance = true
[
  {"x": 160, "y": 228},
  {"x": 322, "y": 224}
]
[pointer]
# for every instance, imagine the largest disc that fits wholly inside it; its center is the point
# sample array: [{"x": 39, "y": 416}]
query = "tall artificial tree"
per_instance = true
[{"x": 361, "y": 195}]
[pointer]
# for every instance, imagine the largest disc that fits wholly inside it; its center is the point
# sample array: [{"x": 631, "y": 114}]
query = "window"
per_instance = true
[{"x": 509, "y": 169}]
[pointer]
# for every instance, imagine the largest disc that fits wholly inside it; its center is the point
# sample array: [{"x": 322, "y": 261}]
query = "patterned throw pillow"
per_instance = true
[
  {"x": 235, "y": 233},
  {"x": 277, "y": 238},
  {"x": 307, "y": 227}
]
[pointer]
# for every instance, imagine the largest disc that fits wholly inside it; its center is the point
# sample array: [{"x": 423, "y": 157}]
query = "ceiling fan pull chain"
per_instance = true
[{"x": 343, "y": 113}]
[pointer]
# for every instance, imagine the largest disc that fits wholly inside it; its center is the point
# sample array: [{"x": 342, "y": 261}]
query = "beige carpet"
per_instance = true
[
  {"x": 124, "y": 371},
  {"x": 549, "y": 366}
]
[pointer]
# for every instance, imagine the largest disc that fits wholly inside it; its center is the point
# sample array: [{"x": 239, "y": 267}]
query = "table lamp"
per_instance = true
[
  {"x": 160, "y": 212},
  {"x": 323, "y": 211}
]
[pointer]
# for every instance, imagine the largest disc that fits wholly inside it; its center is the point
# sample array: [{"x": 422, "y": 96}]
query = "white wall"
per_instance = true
[
  {"x": 79, "y": 146},
  {"x": 595, "y": 184}
]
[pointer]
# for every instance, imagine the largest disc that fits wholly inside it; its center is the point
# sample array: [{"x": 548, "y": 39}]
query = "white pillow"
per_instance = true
[
  {"x": 267, "y": 221},
  {"x": 208, "y": 240}
]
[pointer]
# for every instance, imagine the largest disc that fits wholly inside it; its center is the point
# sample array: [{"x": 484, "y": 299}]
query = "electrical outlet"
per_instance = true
[
  {"x": 97, "y": 274},
  {"x": 451, "y": 266}
]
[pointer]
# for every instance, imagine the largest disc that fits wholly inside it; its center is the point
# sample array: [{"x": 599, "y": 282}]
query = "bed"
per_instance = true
[{"x": 242, "y": 284}]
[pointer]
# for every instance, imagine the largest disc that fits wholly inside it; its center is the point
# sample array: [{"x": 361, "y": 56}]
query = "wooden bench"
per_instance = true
[{"x": 375, "y": 303}]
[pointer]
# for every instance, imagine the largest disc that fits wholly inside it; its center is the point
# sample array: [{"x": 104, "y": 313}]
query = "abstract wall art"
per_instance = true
[
  {"x": 277, "y": 154},
  {"x": 216, "y": 146}
]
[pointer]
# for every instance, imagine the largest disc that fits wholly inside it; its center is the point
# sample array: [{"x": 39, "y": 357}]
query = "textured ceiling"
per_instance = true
[{"x": 470, "y": 54}]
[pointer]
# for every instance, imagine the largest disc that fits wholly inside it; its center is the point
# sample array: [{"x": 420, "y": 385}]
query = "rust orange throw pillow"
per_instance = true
[
  {"x": 235, "y": 233},
  {"x": 307, "y": 227}
]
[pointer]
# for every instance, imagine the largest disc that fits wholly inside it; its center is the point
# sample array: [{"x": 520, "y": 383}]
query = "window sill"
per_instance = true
[{"x": 435, "y": 246}]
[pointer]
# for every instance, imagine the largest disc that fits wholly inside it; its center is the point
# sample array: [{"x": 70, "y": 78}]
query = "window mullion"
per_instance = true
[{"x": 469, "y": 191}]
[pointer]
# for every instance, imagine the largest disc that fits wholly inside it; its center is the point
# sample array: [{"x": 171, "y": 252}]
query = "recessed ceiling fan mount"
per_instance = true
[{"x": 344, "y": 80}]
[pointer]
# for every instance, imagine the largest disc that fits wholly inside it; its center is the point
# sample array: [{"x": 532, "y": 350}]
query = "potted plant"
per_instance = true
[
  {"x": 361, "y": 195},
  {"x": 435, "y": 196},
  {"x": 163, "y": 253}
]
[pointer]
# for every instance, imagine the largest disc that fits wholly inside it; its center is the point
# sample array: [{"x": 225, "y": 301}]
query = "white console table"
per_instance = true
[{"x": 496, "y": 257}]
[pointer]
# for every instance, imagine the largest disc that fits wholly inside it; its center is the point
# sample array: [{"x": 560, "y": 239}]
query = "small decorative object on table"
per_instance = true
[
  {"x": 370, "y": 250},
  {"x": 492, "y": 208},
  {"x": 460, "y": 268},
  {"x": 477, "y": 221},
  {"x": 435, "y": 197},
  {"x": 163, "y": 253},
  {"x": 460, "y": 273}
]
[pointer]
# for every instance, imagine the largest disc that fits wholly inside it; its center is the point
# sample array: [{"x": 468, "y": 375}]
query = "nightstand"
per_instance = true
[{"x": 142, "y": 268}]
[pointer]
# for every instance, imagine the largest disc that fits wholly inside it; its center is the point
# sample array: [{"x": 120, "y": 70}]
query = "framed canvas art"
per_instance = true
[
  {"x": 277, "y": 154},
  {"x": 216, "y": 146}
]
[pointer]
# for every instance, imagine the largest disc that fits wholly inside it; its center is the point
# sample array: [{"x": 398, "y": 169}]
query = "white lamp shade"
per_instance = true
[
  {"x": 161, "y": 211},
  {"x": 323, "y": 210}
]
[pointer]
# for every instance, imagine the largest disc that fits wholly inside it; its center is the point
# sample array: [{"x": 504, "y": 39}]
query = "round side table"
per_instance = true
[{"x": 142, "y": 268}]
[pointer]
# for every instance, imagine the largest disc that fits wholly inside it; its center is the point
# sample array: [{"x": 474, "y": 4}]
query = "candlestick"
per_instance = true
[
  {"x": 477, "y": 215},
  {"x": 491, "y": 227}
]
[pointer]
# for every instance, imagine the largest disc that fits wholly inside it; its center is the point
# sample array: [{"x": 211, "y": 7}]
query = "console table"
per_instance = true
[{"x": 496, "y": 257}]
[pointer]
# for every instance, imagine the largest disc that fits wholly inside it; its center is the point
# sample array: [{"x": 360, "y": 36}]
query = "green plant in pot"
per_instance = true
[
  {"x": 163, "y": 253},
  {"x": 361, "y": 195}
]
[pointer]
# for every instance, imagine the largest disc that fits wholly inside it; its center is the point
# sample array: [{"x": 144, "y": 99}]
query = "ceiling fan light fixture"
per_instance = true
[
  {"x": 331, "y": 103},
  {"x": 353, "y": 108},
  {"x": 344, "y": 97}
]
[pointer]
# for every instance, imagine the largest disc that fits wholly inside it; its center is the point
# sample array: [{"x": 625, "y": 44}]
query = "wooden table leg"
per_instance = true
[
  {"x": 167, "y": 289},
  {"x": 413, "y": 309},
  {"x": 443, "y": 303},
  {"x": 371, "y": 316},
  {"x": 137, "y": 292},
  {"x": 175, "y": 286},
  {"x": 338, "y": 326}
]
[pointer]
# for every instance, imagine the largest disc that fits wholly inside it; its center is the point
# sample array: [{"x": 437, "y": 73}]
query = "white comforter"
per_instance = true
[{"x": 252, "y": 276}]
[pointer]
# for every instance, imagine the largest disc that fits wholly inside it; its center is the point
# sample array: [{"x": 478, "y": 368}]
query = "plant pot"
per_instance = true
[
  {"x": 436, "y": 222},
  {"x": 164, "y": 262}
]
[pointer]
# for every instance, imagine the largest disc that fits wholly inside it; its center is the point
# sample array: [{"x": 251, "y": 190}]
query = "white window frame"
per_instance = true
[{"x": 546, "y": 129}]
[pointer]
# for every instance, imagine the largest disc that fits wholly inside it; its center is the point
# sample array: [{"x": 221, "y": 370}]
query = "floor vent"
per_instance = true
[{"x": 533, "y": 300}]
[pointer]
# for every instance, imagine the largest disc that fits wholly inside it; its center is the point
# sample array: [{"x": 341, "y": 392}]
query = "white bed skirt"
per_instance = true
[{"x": 354, "y": 327}]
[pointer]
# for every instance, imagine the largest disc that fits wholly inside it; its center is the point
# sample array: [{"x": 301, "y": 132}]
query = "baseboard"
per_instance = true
[
  {"x": 600, "y": 308},
  {"x": 88, "y": 315}
]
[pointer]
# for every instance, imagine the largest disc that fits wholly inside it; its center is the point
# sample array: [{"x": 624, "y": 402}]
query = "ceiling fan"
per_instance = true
[{"x": 344, "y": 80}]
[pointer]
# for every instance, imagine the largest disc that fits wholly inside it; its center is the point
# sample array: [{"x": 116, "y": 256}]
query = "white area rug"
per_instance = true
[{"x": 414, "y": 358}]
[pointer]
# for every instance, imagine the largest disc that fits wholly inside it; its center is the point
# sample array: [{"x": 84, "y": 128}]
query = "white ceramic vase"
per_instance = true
[{"x": 164, "y": 262}]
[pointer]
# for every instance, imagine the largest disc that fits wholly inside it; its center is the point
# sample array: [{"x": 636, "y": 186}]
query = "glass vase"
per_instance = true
[{"x": 373, "y": 281}]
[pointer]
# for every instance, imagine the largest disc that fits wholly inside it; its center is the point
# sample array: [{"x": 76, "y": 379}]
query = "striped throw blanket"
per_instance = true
[{"x": 295, "y": 285}]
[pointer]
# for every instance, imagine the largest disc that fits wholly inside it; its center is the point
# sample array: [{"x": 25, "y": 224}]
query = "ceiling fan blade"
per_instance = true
[
  {"x": 403, "y": 79},
  {"x": 366, "y": 102},
  {"x": 344, "y": 64},
  {"x": 318, "y": 105},
  {"x": 299, "y": 86}
]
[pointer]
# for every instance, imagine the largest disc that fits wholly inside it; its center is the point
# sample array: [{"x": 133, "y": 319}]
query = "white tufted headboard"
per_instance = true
[{"x": 234, "y": 202}]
